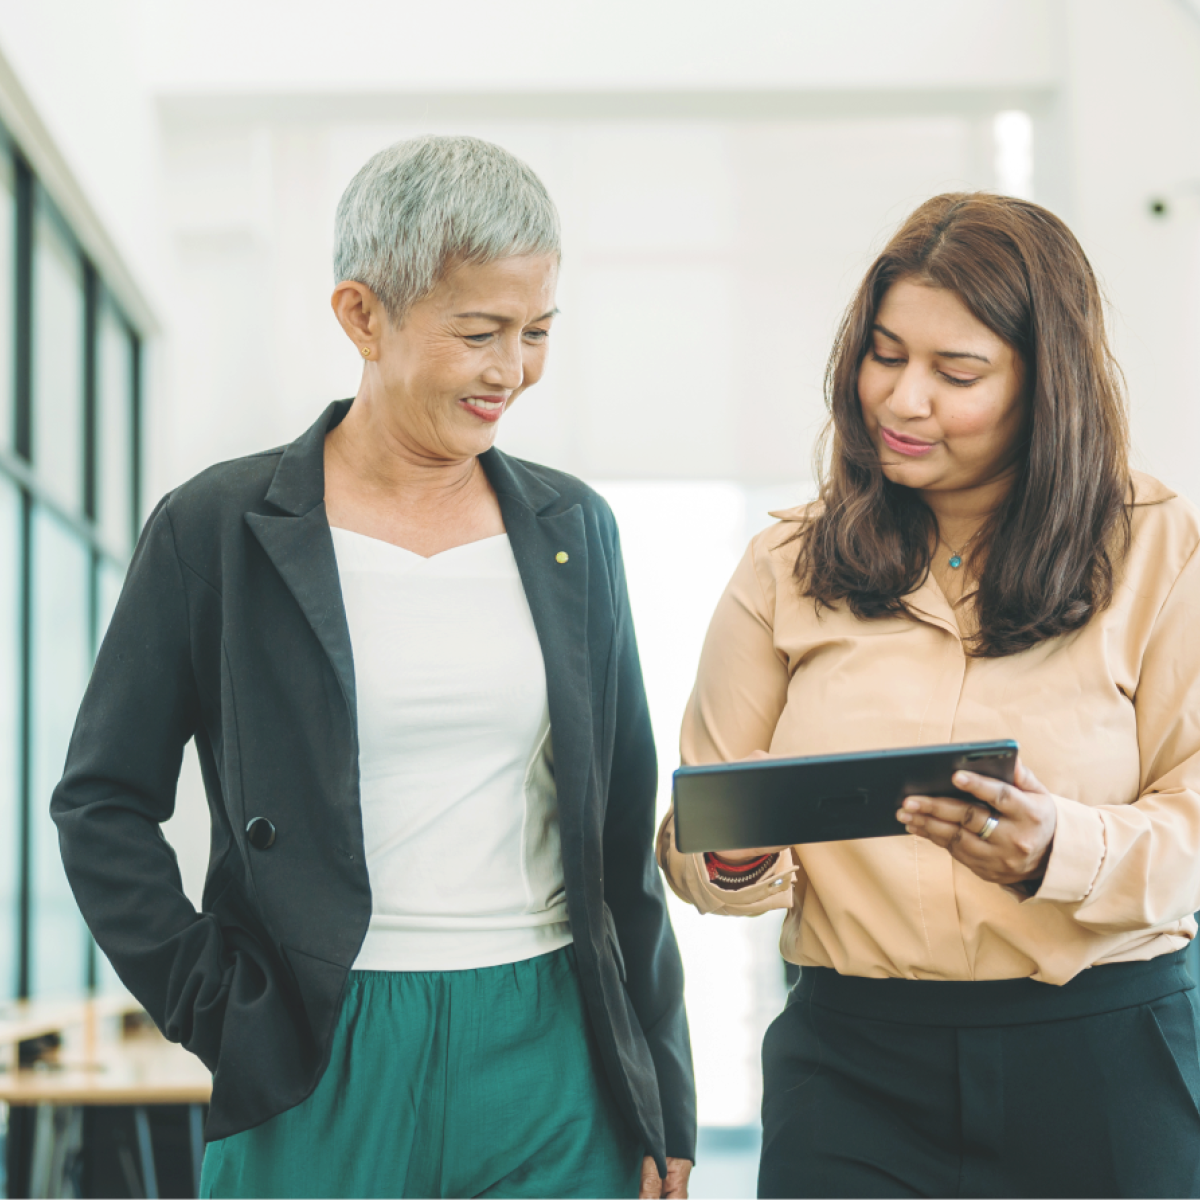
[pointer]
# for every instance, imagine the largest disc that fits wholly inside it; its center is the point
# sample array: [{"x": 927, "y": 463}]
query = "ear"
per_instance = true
[{"x": 360, "y": 314}]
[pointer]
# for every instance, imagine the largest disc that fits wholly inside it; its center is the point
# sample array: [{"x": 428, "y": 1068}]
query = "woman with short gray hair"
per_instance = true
[{"x": 433, "y": 956}]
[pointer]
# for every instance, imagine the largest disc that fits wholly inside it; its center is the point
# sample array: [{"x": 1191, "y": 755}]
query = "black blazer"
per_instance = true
[{"x": 231, "y": 630}]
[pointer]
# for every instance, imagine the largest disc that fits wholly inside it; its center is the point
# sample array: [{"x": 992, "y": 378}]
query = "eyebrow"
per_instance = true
[
  {"x": 887, "y": 333},
  {"x": 482, "y": 316}
]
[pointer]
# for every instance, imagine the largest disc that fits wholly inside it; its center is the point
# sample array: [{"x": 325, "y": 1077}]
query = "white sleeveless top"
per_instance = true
[{"x": 459, "y": 808}]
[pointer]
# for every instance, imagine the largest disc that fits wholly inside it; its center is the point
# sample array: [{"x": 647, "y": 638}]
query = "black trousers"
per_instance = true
[{"x": 894, "y": 1087}]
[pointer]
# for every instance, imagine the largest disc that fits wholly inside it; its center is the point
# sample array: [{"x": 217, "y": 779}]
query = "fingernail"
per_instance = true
[
  {"x": 903, "y": 816},
  {"x": 912, "y": 805},
  {"x": 961, "y": 779}
]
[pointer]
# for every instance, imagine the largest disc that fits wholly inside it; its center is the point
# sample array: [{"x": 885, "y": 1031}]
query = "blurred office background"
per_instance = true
[{"x": 168, "y": 177}]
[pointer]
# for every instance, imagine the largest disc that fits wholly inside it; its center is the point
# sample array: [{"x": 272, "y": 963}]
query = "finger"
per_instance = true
[
  {"x": 1027, "y": 781},
  {"x": 942, "y": 833},
  {"x": 996, "y": 793},
  {"x": 970, "y": 816},
  {"x": 977, "y": 856},
  {"x": 651, "y": 1188},
  {"x": 952, "y": 836}
]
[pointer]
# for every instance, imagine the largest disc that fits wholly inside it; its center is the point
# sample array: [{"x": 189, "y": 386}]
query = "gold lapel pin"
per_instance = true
[{"x": 561, "y": 556}]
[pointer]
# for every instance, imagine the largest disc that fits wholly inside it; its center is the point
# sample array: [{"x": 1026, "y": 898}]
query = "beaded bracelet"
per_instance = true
[{"x": 731, "y": 876}]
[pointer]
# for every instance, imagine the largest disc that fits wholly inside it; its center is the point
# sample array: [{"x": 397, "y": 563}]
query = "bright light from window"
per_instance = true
[
  {"x": 1012, "y": 132},
  {"x": 681, "y": 542}
]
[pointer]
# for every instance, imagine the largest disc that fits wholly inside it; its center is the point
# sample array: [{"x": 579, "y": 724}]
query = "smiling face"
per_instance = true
[
  {"x": 942, "y": 395},
  {"x": 460, "y": 357}
]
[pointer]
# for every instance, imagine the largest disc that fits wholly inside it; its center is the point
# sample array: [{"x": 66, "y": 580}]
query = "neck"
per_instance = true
[
  {"x": 389, "y": 461},
  {"x": 962, "y": 513}
]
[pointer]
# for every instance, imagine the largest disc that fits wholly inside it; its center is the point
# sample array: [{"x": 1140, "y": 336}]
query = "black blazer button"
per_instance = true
[{"x": 260, "y": 833}]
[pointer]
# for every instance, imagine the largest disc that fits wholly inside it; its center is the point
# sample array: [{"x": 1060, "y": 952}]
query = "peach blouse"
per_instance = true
[{"x": 1108, "y": 718}]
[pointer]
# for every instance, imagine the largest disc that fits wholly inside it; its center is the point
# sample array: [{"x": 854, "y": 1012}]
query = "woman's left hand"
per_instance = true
[{"x": 1018, "y": 846}]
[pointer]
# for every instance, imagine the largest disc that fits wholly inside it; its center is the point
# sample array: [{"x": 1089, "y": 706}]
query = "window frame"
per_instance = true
[{"x": 15, "y": 464}]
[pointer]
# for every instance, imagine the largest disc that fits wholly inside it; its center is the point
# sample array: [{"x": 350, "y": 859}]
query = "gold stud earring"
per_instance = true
[{"x": 366, "y": 352}]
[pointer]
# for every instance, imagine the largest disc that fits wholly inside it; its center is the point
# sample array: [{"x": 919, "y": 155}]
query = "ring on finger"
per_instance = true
[{"x": 989, "y": 827}]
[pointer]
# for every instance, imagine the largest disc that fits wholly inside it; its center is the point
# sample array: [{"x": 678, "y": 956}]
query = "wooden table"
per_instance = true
[{"x": 109, "y": 1053}]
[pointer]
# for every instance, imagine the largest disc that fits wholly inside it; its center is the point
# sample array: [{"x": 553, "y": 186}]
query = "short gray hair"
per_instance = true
[{"x": 422, "y": 205}]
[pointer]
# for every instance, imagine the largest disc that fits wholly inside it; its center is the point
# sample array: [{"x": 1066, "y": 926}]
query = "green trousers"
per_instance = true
[{"x": 450, "y": 1083}]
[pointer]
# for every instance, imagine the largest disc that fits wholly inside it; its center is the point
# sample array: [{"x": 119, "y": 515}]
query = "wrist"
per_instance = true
[{"x": 729, "y": 874}]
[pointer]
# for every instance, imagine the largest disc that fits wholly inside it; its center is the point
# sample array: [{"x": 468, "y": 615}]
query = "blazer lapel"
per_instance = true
[
  {"x": 301, "y": 550},
  {"x": 300, "y": 546},
  {"x": 552, "y": 557}
]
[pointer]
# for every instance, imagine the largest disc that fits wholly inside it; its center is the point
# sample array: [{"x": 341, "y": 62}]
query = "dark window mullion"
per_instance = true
[
  {"x": 91, "y": 305},
  {"x": 25, "y": 749},
  {"x": 23, "y": 190}
]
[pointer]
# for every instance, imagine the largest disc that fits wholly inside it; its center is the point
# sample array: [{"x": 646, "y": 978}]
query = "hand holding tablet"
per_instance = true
[{"x": 1022, "y": 816}]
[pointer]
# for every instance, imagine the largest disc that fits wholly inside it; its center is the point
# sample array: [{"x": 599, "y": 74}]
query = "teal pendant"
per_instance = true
[{"x": 956, "y": 561}]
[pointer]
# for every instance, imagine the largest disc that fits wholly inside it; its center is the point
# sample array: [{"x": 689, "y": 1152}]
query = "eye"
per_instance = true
[
  {"x": 537, "y": 335},
  {"x": 478, "y": 339},
  {"x": 959, "y": 382},
  {"x": 886, "y": 362}
]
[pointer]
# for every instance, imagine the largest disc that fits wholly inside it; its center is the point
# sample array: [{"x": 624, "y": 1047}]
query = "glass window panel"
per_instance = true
[
  {"x": 58, "y": 335},
  {"x": 114, "y": 429},
  {"x": 10, "y": 666},
  {"x": 8, "y": 217},
  {"x": 61, "y": 645}
]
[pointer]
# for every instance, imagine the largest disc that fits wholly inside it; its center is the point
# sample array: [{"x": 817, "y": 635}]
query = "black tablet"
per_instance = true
[{"x": 830, "y": 798}]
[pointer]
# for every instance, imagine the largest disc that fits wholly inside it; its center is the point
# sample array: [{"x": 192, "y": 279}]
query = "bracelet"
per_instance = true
[
  {"x": 731, "y": 876},
  {"x": 715, "y": 862}
]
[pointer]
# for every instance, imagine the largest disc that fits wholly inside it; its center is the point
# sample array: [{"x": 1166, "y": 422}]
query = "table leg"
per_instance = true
[
  {"x": 141, "y": 1123},
  {"x": 18, "y": 1149},
  {"x": 196, "y": 1131},
  {"x": 41, "y": 1166},
  {"x": 56, "y": 1158}
]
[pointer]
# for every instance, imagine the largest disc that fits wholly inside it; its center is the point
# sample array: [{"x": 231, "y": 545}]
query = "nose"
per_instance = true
[
  {"x": 507, "y": 367},
  {"x": 910, "y": 398}
]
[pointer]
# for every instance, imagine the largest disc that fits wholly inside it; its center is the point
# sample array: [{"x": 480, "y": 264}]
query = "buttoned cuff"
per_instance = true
[
  {"x": 1076, "y": 856},
  {"x": 688, "y": 876}
]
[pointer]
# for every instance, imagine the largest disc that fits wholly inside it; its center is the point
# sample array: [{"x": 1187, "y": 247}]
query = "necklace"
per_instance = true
[{"x": 956, "y": 556}]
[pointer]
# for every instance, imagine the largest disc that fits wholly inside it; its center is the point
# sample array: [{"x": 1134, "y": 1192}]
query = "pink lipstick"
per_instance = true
[
  {"x": 486, "y": 408},
  {"x": 903, "y": 444}
]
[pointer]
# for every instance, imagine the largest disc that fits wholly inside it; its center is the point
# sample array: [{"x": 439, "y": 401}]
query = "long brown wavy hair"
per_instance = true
[{"x": 1046, "y": 558}]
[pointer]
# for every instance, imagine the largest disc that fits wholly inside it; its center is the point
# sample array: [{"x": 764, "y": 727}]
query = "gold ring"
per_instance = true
[{"x": 989, "y": 827}]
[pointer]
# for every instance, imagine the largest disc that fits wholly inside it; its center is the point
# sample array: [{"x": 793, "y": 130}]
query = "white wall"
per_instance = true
[
  {"x": 1115, "y": 85},
  {"x": 1132, "y": 100},
  {"x": 411, "y": 47},
  {"x": 760, "y": 210}
]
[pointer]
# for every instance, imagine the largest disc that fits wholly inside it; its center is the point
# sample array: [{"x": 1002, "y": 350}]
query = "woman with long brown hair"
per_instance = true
[{"x": 996, "y": 1004}]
